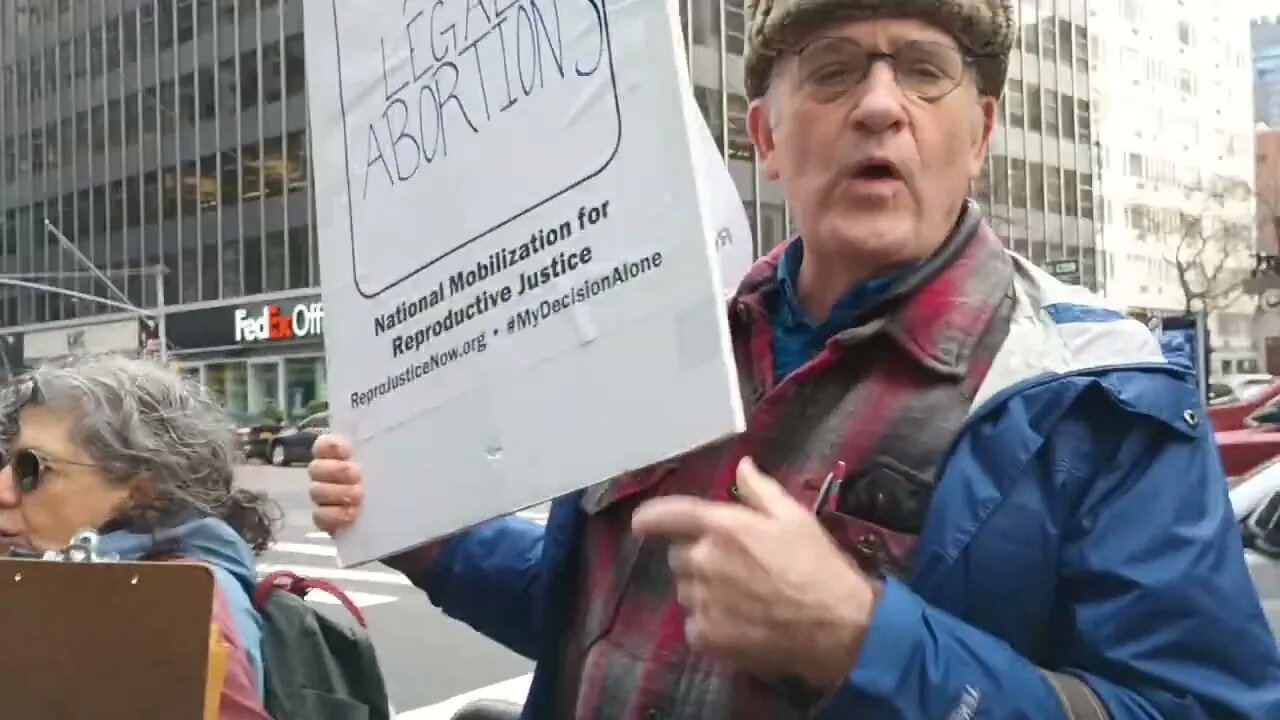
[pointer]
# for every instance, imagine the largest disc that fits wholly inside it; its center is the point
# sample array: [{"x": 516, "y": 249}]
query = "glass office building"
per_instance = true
[
  {"x": 173, "y": 134},
  {"x": 1040, "y": 186},
  {"x": 161, "y": 134}
]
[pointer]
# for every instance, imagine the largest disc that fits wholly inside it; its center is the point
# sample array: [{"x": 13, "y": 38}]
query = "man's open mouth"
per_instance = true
[{"x": 876, "y": 170}]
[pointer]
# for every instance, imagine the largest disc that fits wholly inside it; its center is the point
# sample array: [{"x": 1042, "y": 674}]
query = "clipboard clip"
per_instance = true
[{"x": 82, "y": 549}]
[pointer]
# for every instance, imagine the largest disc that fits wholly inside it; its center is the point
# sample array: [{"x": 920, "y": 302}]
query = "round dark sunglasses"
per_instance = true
[{"x": 29, "y": 468}]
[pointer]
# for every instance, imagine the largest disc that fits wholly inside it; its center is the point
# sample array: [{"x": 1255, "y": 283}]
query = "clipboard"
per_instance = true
[{"x": 104, "y": 640}]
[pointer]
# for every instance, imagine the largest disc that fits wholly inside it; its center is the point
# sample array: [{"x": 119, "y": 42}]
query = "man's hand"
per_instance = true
[
  {"x": 336, "y": 487},
  {"x": 337, "y": 491},
  {"x": 762, "y": 585}
]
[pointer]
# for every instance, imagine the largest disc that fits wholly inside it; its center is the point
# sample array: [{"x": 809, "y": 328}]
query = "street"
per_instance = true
[{"x": 432, "y": 664}]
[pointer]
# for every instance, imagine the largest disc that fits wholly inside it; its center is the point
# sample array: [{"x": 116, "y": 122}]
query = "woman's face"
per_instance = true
[{"x": 69, "y": 493}]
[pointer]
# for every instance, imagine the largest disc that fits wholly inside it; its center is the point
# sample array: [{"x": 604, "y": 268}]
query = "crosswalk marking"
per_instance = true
[
  {"x": 305, "y": 549},
  {"x": 333, "y": 573},
  {"x": 513, "y": 690},
  {"x": 318, "y": 536}
]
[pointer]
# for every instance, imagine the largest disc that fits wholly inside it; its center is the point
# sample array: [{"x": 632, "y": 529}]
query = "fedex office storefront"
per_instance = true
[{"x": 256, "y": 355}]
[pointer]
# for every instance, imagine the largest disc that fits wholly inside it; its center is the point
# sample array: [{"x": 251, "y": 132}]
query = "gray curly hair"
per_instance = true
[{"x": 138, "y": 418}]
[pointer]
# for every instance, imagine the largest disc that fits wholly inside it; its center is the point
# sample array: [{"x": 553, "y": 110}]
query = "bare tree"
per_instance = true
[{"x": 1209, "y": 242}]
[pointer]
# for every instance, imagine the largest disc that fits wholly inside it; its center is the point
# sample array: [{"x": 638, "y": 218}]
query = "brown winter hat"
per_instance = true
[{"x": 983, "y": 28}]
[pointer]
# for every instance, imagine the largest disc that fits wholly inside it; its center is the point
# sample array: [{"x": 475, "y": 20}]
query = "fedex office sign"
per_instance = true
[{"x": 274, "y": 323}]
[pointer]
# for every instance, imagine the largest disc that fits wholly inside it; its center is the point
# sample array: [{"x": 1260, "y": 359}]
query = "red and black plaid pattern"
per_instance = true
[{"x": 885, "y": 399}]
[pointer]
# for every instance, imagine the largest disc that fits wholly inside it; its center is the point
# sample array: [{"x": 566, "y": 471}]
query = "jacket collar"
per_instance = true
[{"x": 936, "y": 312}]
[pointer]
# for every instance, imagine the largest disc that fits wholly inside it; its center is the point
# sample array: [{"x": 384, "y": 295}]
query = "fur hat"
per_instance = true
[{"x": 983, "y": 28}]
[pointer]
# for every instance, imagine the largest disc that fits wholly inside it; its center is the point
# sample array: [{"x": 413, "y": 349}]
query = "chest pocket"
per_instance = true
[{"x": 877, "y": 514}]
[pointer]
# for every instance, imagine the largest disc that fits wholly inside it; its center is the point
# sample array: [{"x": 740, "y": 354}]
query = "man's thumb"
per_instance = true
[{"x": 762, "y": 493}]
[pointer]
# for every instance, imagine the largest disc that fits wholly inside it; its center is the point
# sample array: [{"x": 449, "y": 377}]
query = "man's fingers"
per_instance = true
[
  {"x": 331, "y": 447},
  {"x": 681, "y": 516},
  {"x": 762, "y": 493},
  {"x": 332, "y": 519},
  {"x": 680, "y": 558},
  {"x": 323, "y": 494},
  {"x": 334, "y": 472}
]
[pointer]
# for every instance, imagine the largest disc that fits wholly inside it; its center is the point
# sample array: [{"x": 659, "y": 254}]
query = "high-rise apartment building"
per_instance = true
[
  {"x": 172, "y": 133},
  {"x": 1172, "y": 101}
]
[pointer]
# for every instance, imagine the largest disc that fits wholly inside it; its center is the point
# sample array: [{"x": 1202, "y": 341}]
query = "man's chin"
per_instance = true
[{"x": 874, "y": 235}]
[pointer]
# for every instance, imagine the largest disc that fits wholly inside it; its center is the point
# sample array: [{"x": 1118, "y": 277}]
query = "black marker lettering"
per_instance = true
[
  {"x": 413, "y": 49},
  {"x": 557, "y": 42},
  {"x": 400, "y": 137},
  {"x": 577, "y": 68},
  {"x": 428, "y": 101},
  {"x": 473, "y": 5},
  {"x": 449, "y": 31},
  {"x": 445, "y": 98},
  {"x": 379, "y": 159}
]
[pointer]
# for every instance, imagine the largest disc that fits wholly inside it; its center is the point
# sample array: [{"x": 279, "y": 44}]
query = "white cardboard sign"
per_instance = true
[
  {"x": 729, "y": 230},
  {"x": 522, "y": 294}
]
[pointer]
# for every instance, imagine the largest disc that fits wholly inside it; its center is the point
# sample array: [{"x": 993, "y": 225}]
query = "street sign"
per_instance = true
[{"x": 1067, "y": 271}]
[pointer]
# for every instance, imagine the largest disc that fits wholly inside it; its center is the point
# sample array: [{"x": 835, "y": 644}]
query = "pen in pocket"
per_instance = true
[{"x": 830, "y": 489}]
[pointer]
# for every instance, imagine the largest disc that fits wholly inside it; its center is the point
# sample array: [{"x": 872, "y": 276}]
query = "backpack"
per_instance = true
[{"x": 316, "y": 668}]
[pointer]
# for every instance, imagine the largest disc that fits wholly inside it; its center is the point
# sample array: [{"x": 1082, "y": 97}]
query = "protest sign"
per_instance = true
[
  {"x": 728, "y": 228},
  {"x": 523, "y": 294}
]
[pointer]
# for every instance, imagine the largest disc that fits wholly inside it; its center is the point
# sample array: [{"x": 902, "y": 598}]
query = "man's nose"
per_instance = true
[
  {"x": 878, "y": 107},
  {"x": 9, "y": 497}
]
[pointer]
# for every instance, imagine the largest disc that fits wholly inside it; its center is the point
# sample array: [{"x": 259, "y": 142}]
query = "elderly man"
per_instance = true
[{"x": 965, "y": 490}]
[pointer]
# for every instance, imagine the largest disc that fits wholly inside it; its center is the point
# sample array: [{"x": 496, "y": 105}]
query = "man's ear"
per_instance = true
[
  {"x": 983, "y": 127},
  {"x": 760, "y": 119}
]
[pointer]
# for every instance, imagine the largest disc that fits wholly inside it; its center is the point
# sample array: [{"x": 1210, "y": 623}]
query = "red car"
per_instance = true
[
  {"x": 1231, "y": 415},
  {"x": 1255, "y": 443}
]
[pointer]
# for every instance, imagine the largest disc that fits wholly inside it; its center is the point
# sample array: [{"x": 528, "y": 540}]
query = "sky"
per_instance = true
[{"x": 1264, "y": 7}]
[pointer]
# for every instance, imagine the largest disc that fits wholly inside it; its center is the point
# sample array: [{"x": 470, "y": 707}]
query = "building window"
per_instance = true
[
  {"x": 1015, "y": 104},
  {"x": 735, "y": 27},
  {"x": 1135, "y": 165}
]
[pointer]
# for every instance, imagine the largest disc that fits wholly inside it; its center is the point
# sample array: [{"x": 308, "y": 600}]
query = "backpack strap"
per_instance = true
[{"x": 300, "y": 586}]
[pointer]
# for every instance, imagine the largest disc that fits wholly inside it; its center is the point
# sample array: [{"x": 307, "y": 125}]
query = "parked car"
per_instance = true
[
  {"x": 1252, "y": 445},
  {"x": 1230, "y": 415},
  {"x": 293, "y": 445},
  {"x": 1255, "y": 501},
  {"x": 255, "y": 433},
  {"x": 1234, "y": 388}
]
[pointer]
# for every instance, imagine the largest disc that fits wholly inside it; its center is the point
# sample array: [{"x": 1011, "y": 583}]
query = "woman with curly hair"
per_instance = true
[{"x": 130, "y": 449}]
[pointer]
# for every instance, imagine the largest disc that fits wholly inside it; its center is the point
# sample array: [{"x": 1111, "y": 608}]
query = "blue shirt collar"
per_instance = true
[{"x": 846, "y": 310}]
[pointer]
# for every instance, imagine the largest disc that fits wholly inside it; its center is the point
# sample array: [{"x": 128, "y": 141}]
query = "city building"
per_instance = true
[
  {"x": 172, "y": 134},
  {"x": 163, "y": 134},
  {"x": 1267, "y": 167},
  {"x": 1039, "y": 186},
  {"x": 1172, "y": 108},
  {"x": 1264, "y": 36}
]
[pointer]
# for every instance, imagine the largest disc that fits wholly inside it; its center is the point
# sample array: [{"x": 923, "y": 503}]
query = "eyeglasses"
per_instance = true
[
  {"x": 833, "y": 67},
  {"x": 29, "y": 468}
]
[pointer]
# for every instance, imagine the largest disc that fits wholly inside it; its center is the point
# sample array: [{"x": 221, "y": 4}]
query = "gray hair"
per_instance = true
[{"x": 136, "y": 418}]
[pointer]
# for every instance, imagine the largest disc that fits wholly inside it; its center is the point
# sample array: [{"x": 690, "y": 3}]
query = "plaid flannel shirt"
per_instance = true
[{"x": 886, "y": 398}]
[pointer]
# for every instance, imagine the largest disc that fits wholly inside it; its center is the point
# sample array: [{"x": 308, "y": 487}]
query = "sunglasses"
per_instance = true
[{"x": 29, "y": 468}]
